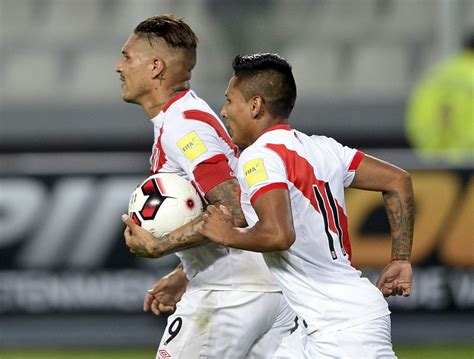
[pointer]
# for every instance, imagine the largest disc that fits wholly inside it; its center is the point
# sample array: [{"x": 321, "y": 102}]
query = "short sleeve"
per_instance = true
[
  {"x": 192, "y": 143},
  {"x": 348, "y": 157},
  {"x": 259, "y": 171}
]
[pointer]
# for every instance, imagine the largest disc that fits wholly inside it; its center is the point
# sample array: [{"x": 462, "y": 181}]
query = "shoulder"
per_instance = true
[
  {"x": 258, "y": 154},
  {"x": 323, "y": 140}
]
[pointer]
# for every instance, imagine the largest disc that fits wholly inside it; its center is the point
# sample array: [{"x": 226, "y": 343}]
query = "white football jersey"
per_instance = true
[
  {"x": 315, "y": 273},
  {"x": 188, "y": 133}
]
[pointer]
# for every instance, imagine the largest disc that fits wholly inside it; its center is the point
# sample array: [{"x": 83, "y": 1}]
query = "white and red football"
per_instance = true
[{"x": 164, "y": 202}]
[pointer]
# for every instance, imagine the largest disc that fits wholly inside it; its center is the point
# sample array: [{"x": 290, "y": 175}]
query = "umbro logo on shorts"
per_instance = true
[{"x": 162, "y": 354}]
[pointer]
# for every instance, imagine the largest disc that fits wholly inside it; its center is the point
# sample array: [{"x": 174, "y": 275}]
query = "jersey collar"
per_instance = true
[
  {"x": 281, "y": 126},
  {"x": 174, "y": 99}
]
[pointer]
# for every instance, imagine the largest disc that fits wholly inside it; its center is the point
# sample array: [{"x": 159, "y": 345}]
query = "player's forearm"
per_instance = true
[
  {"x": 182, "y": 238},
  {"x": 400, "y": 207},
  {"x": 260, "y": 238}
]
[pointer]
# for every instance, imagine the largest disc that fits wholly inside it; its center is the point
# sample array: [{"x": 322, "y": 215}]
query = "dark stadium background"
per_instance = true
[{"x": 71, "y": 152}]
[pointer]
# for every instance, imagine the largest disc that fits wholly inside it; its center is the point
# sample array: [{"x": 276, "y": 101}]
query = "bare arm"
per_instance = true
[
  {"x": 143, "y": 244},
  {"x": 273, "y": 232},
  {"x": 397, "y": 189}
]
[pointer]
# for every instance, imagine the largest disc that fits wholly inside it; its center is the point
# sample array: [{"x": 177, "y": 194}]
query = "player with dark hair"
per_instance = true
[
  {"x": 231, "y": 306},
  {"x": 293, "y": 200}
]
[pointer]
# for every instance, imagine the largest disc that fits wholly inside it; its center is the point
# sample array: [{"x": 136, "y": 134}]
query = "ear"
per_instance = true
[
  {"x": 158, "y": 67},
  {"x": 256, "y": 106}
]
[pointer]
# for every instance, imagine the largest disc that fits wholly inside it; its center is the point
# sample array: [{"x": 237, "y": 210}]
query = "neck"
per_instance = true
[
  {"x": 265, "y": 123},
  {"x": 161, "y": 97}
]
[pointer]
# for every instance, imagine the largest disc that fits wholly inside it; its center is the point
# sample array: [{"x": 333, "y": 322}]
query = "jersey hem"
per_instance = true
[
  {"x": 240, "y": 288},
  {"x": 348, "y": 323}
]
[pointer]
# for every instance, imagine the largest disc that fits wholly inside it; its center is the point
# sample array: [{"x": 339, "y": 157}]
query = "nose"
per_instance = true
[
  {"x": 118, "y": 67},
  {"x": 223, "y": 113}
]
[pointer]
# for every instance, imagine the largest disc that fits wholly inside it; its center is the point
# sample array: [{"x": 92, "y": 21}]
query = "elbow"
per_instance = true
[
  {"x": 404, "y": 177},
  {"x": 400, "y": 183},
  {"x": 405, "y": 182},
  {"x": 285, "y": 240}
]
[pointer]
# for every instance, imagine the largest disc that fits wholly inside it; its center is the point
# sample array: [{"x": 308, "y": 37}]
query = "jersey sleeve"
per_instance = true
[
  {"x": 349, "y": 158},
  {"x": 259, "y": 171},
  {"x": 196, "y": 148}
]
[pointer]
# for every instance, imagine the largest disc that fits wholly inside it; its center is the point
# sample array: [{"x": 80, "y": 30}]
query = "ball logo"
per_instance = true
[{"x": 155, "y": 198}]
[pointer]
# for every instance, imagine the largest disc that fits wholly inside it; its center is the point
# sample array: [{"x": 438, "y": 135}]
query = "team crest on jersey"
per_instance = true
[
  {"x": 255, "y": 172},
  {"x": 192, "y": 146}
]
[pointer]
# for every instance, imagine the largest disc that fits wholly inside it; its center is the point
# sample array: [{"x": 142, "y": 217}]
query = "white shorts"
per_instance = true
[
  {"x": 226, "y": 325},
  {"x": 369, "y": 340}
]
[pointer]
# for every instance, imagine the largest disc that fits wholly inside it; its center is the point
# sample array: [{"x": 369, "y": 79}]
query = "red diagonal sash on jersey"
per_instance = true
[
  {"x": 214, "y": 123},
  {"x": 301, "y": 173},
  {"x": 158, "y": 157}
]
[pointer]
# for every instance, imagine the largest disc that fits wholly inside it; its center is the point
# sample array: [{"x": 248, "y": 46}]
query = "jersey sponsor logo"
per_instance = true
[
  {"x": 192, "y": 146},
  {"x": 255, "y": 172}
]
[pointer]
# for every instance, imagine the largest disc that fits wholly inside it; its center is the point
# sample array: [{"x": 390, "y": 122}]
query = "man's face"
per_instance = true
[
  {"x": 236, "y": 112},
  {"x": 134, "y": 68}
]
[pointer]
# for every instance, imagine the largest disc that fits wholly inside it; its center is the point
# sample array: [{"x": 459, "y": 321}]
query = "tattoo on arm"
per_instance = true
[
  {"x": 141, "y": 251},
  {"x": 401, "y": 217},
  {"x": 180, "y": 239},
  {"x": 227, "y": 193}
]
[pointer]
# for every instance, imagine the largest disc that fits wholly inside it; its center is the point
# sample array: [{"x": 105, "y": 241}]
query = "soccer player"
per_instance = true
[
  {"x": 231, "y": 306},
  {"x": 293, "y": 200}
]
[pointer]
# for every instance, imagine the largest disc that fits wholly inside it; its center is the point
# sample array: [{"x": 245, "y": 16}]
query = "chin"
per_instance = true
[
  {"x": 128, "y": 99},
  {"x": 237, "y": 142}
]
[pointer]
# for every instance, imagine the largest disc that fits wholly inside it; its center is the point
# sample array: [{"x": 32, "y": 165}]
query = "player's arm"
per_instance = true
[
  {"x": 273, "y": 232},
  {"x": 396, "y": 186},
  {"x": 166, "y": 292},
  {"x": 143, "y": 244}
]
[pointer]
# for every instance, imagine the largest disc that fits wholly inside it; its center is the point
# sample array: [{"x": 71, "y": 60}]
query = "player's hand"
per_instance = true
[
  {"x": 139, "y": 240},
  {"x": 396, "y": 278},
  {"x": 217, "y": 224},
  {"x": 165, "y": 293}
]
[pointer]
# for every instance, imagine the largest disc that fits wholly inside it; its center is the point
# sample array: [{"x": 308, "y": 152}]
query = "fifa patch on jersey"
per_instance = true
[
  {"x": 254, "y": 171},
  {"x": 192, "y": 146}
]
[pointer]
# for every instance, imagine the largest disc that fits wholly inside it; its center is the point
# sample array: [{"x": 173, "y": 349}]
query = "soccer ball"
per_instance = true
[{"x": 164, "y": 202}]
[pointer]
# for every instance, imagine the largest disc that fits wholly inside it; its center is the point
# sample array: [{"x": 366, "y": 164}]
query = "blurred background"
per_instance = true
[{"x": 394, "y": 78}]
